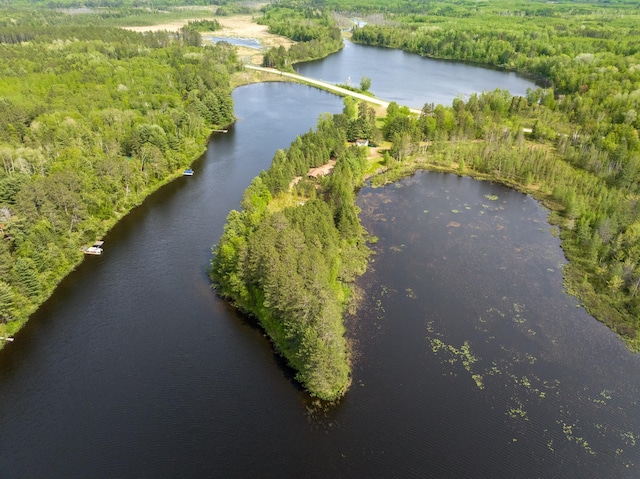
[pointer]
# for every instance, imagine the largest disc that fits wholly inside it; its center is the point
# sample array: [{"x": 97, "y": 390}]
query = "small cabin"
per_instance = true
[{"x": 362, "y": 142}]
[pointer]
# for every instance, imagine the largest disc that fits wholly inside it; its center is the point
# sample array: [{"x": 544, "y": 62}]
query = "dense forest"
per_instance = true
[
  {"x": 574, "y": 144},
  {"x": 92, "y": 119},
  {"x": 314, "y": 31},
  {"x": 289, "y": 256}
]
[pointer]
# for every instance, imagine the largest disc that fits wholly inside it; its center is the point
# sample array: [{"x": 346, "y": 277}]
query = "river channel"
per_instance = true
[{"x": 470, "y": 360}]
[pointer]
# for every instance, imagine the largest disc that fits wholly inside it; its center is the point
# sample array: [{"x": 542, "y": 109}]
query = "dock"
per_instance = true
[{"x": 95, "y": 249}]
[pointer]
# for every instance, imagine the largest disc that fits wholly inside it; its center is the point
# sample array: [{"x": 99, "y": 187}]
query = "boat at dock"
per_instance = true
[
  {"x": 188, "y": 172},
  {"x": 95, "y": 249}
]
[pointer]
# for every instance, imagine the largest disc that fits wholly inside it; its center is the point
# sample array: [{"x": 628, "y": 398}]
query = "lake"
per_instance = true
[
  {"x": 470, "y": 360},
  {"x": 409, "y": 79},
  {"x": 491, "y": 367}
]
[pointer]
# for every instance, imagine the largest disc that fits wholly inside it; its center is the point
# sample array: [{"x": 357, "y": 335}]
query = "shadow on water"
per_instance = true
[{"x": 253, "y": 324}]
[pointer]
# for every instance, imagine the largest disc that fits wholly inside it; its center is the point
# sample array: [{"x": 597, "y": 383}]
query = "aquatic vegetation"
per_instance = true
[
  {"x": 568, "y": 430},
  {"x": 498, "y": 312},
  {"x": 603, "y": 397},
  {"x": 629, "y": 438},
  {"x": 529, "y": 390},
  {"x": 478, "y": 380},
  {"x": 518, "y": 412},
  {"x": 386, "y": 290},
  {"x": 462, "y": 355}
]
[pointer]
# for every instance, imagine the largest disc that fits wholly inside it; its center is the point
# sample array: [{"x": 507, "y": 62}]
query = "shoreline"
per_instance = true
[
  {"x": 573, "y": 274},
  {"x": 108, "y": 226}
]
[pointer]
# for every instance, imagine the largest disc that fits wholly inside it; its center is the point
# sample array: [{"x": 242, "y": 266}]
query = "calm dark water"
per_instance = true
[
  {"x": 134, "y": 368},
  {"x": 409, "y": 79},
  {"x": 483, "y": 355}
]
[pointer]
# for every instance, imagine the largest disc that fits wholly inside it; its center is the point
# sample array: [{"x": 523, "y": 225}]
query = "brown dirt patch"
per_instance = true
[
  {"x": 245, "y": 26},
  {"x": 375, "y": 152},
  {"x": 237, "y": 26},
  {"x": 169, "y": 26},
  {"x": 322, "y": 170}
]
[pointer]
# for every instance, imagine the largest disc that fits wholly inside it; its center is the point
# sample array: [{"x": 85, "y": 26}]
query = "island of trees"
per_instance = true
[{"x": 93, "y": 118}]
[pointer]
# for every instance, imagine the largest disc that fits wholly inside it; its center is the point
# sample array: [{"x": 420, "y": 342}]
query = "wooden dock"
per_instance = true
[{"x": 95, "y": 249}]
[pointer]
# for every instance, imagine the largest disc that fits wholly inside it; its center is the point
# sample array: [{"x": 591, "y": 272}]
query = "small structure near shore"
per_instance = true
[{"x": 95, "y": 249}]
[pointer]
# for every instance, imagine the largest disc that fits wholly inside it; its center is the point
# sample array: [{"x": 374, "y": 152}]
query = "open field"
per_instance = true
[{"x": 237, "y": 26}]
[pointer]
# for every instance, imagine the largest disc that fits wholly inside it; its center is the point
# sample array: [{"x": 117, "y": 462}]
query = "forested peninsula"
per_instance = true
[
  {"x": 93, "y": 118},
  {"x": 289, "y": 256}
]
